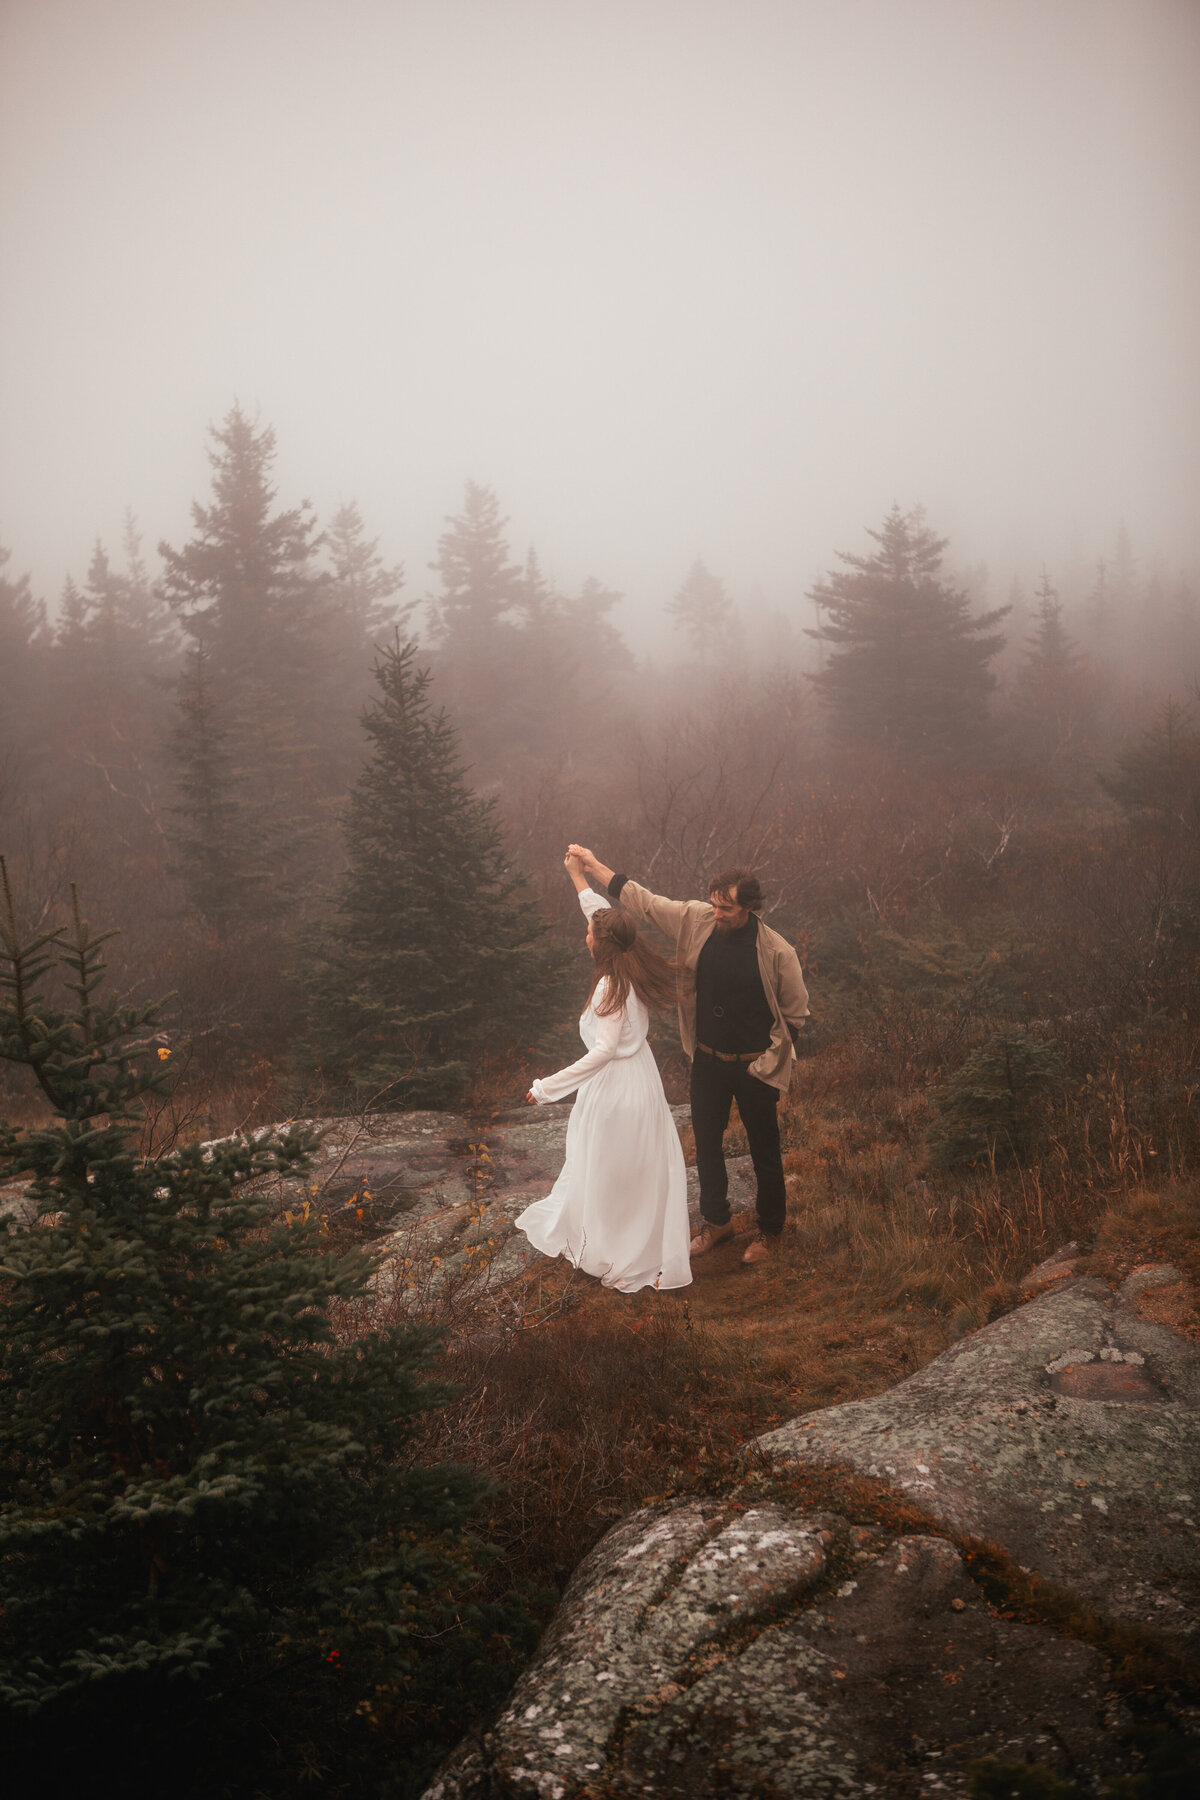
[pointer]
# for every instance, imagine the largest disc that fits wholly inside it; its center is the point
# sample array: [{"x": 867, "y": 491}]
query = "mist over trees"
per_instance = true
[
  {"x": 328, "y": 813},
  {"x": 206, "y": 742}
]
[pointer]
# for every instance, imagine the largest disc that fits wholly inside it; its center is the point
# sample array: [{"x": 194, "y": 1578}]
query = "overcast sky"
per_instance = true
[{"x": 679, "y": 278}]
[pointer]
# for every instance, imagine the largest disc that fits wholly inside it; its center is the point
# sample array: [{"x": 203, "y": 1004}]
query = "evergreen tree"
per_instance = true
[
  {"x": 247, "y": 584},
  {"x": 1050, "y": 691},
  {"x": 22, "y": 618},
  {"x": 1020, "y": 616},
  {"x": 364, "y": 608},
  {"x": 538, "y": 606},
  {"x": 545, "y": 690},
  {"x": 23, "y": 643},
  {"x": 1050, "y": 649},
  {"x": 568, "y": 656},
  {"x": 1156, "y": 780},
  {"x": 475, "y": 625},
  {"x": 481, "y": 586},
  {"x": 703, "y": 610},
  {"x": 1100, "y": 614},
  {"x": 433, "y": 953},
  {"x": 225, "y": 877},
  {"x": 1184, "y": 630},
  {"x": 516, "y": 660},
  {"x": 247, "y": 578},
  {"x": 908, "y": 671},
  {"x": 214, "y": 1545},
  {"x": 116, "y": 620},
  {"x": 993, "y": 1109},
  {"x": 609, "y": 659},
  {"x": 1149, "y": 623},
  {"x": 363, "y": 585},
  {"x": 113, "y": 660},
  {"x": 71, "y": 626}
]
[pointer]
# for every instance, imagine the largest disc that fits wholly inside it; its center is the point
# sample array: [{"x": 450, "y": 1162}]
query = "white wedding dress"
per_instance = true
[{"x": 619, "y": 1208}]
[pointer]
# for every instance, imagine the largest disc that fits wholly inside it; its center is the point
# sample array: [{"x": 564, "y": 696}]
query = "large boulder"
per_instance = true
[
  {"x": 704, "y": 1649},
  {"x": 756, "y": 1650},
  {"x": 1068, "y": 1432}
]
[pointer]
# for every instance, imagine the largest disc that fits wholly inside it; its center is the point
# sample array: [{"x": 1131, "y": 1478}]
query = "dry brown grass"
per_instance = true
[
  {"x": 202, "y": 1102},
  {"x": 583, "y": 1403},
  {"x": 865, "y": 1201},
  {"x": 597, "y": 1402},
  {"x": 1149, "y": 1224}
]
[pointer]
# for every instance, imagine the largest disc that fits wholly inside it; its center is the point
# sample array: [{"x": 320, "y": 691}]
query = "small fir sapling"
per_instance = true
[
  {"x": 205, "y": 1496},
  {"x": 992, "y": 1110}
]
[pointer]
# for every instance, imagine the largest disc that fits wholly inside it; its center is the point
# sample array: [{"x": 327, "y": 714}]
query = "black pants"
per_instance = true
[{"x": 715, "y": 1086}]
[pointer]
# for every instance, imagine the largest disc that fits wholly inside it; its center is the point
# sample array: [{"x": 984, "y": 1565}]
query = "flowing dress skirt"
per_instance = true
[{"x": 619, "y": 1208}]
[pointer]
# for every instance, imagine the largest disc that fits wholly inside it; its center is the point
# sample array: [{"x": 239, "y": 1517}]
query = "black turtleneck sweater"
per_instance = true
[{"x": 732, "y": 1011}]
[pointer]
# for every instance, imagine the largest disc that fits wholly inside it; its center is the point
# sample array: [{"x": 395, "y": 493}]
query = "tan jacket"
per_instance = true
[{"x": 690, "y": 923}]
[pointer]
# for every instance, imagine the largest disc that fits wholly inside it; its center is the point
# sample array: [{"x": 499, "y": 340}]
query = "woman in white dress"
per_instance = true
[{"x": 619, "y": 1208}]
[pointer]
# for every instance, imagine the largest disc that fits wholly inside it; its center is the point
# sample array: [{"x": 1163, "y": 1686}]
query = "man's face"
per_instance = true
[{"x": 730, "y": 916}]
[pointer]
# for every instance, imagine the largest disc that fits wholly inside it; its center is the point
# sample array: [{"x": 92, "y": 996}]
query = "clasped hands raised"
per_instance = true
[{"x": 580, "y": 860}]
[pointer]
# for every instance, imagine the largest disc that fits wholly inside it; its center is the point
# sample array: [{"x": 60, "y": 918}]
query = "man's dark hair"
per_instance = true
[{"x": 740, "y": 885}]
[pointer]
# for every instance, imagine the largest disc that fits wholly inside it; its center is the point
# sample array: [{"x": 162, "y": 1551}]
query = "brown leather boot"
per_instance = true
[
  {"x": 761, "y": 1248},
  {"x": 708, "y": 1237}
]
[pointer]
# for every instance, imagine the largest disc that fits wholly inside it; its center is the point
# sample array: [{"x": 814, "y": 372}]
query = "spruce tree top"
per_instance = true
[
  {"x": 245, "y": 581},
  {"x": 481, "y": 586},
  {"x": 908, "y": 671}
]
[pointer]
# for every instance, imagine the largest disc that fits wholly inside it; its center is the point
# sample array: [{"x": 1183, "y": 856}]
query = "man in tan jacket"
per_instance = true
[{"x": 742, "y": 1001}]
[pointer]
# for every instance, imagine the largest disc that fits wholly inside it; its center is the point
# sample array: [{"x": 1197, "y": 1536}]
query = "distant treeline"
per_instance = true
[{"x": 183, "y": 742}]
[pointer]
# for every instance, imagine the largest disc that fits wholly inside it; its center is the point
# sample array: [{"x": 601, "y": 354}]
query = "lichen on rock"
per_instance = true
[{"x": 709, "y": 1646}]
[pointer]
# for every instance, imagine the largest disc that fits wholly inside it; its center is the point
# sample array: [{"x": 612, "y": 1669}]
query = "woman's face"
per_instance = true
[{"x": 590, "y": 941}]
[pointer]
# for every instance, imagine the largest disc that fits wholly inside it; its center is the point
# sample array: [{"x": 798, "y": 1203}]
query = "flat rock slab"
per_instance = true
[
  {"x": 703, "y": 1650},
  {"x": 439, "y": 1194},
  {"x": 1068, "y": 1432}
]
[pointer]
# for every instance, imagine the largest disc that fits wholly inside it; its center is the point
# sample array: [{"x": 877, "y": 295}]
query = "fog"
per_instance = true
[{"x": 676, "y": 278}]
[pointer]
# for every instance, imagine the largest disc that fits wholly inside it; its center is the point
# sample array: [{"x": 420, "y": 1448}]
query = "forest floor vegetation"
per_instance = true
[
  {"x": 580, "y": 1404},
  {"x": 589, "y": 1402}
]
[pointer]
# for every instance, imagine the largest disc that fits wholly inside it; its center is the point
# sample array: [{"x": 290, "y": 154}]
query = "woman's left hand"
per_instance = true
[{"x": 531, "y": 1098}]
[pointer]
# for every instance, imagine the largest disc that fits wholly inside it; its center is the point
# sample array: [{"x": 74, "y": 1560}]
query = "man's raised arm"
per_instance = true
[{"x": 667, "y": 915}]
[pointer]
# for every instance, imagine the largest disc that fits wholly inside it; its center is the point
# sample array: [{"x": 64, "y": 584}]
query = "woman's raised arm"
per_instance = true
[
  {"x": 574, "y": 867},
  {"x": 591, "y": 862}
]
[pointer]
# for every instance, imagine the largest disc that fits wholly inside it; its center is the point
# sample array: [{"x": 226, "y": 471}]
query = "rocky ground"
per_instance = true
[
  {"x": 966, "y": 1565},
  {"x": 742, "y": 1645},
  {"x": 1068, "y": 1431},
  {"x": 438, "y": 1194},
  {"x": 748, "y": 1644}
]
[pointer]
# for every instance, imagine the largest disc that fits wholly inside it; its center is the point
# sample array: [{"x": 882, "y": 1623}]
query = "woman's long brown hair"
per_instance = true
[{"x": 622, "y": 956}]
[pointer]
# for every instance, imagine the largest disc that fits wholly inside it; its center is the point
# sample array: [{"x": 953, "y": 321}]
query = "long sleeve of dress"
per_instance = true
[
  {"x": 592, "y": 902},
  {"x": 558, "y": 1086}
]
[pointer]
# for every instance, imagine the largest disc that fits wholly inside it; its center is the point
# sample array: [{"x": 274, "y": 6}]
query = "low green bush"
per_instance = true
[{"x": 221, "y": 1568}]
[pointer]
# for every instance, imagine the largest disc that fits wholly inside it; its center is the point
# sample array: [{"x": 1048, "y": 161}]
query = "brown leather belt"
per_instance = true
[{"x": 746, "y": 1056}]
